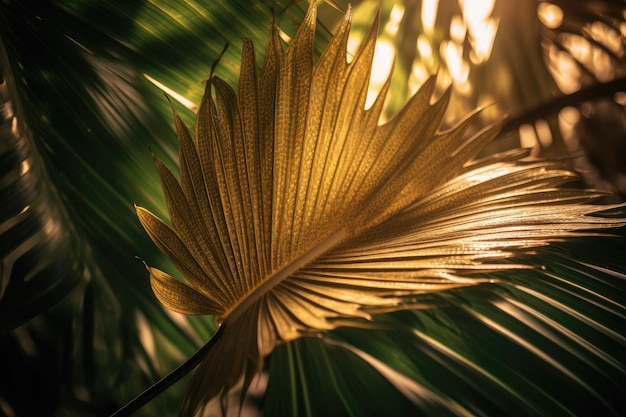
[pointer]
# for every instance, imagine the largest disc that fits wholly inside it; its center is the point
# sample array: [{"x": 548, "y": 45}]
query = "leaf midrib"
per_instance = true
[{"x": 275, "y": 278}]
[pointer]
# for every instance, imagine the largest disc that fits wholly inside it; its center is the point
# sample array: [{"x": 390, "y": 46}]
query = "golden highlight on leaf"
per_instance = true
[{"x": 296, "y": 211}]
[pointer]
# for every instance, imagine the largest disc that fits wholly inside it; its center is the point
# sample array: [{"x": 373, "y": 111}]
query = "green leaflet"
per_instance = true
[{"x": 40, "y": 259}]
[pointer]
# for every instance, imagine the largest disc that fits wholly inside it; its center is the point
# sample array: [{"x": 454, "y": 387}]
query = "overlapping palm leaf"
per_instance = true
[
  {"x": 82, "y": 101},
  {"x": 540, "y": 342},
  {"x": 78, "y": 68},
  {"x": 296, "y": 211}
]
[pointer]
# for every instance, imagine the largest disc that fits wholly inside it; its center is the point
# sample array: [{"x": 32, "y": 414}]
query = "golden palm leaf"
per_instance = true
[{"x": 296, "y": 212}]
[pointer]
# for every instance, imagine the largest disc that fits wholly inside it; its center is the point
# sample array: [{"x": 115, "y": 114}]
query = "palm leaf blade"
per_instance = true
[{"x": 402, "y": 234}]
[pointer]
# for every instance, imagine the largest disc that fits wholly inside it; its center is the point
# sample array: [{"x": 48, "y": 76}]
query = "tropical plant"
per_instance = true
[{"x": 83, "y": 111}]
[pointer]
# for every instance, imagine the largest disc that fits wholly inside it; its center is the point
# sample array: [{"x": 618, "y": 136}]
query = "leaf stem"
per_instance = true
[
  {"x": 168, "y": 380},
  {"x": 277, "y": 277},
  {"x": 584, "y": 94}
]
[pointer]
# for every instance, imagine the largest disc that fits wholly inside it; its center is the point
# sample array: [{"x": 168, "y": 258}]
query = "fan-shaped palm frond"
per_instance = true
[
  {"x": 83, "y": 101},
  {"x": 80, "y": 76},
  {"x": 296, "y": 210}
]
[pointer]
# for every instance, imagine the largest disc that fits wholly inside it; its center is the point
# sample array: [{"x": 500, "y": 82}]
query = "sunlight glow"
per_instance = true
[
  {"x": 483, "y": 35},
  {"x": 544, "y": 134},
  {"x": 579, "y": 47},
  {"x": 51, "y": 227},
  {"x": 423, "y": 46},
  {"x": 482, "y": 27},
  {"x": 483, "y": 175},
  {"x": 606, "y": 36},
  {"x": 283, "y": 35},
  {"x": 25, "y": 166},
  {"x": 384, "y": 56},
  {"x": 550, "y": 15},
  {"x": 469, "y": 42},
  {"x": 620, "y": 98},
  {"x": 464, "y": 88},
  {"x": 419, "y": 74},
  {"x": 592, "y": 57},
  {"x": 457, "y": 66},
  {"x": 395, "y": 17},
  {"x": 564, "y": 70},
  {"x": 476, "y": 10},
  {"x": 176, "y": 96},
  {"x": 458, "y": 29},
  {"x": 568, "y": 117},
  {"x": 352, "y": 47},
  {"x": 429, "y": 14},
  {"x": 146, "y": 337},
  {"x": 602, "y": 68},
  {"x": 527, "y": 136}
]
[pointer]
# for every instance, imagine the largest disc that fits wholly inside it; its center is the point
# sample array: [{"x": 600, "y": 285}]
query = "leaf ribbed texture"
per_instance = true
[{"x": 296, "y": 211}]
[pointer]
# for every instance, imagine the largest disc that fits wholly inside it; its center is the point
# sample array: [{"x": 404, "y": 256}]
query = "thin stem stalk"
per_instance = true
[{"x": 167, "y": 381}]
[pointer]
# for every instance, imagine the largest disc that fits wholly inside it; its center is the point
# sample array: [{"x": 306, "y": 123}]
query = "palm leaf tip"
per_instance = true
[{"x": 296, "y": 210}]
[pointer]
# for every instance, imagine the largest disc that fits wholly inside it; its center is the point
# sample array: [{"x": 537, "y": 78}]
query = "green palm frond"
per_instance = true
[
  {"x": 83, "y": 97},
  {"x": 296, "y": 210},
  {"x": 81, "y": 78},
  {"x": 35, "y": 272}
]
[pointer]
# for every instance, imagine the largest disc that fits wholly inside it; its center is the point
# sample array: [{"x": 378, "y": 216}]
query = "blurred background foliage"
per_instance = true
[{"x": 82, "y": 110}]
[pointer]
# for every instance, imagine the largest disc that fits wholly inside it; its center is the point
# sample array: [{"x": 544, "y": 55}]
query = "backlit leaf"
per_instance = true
[{"x": 296, "y": 212}]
